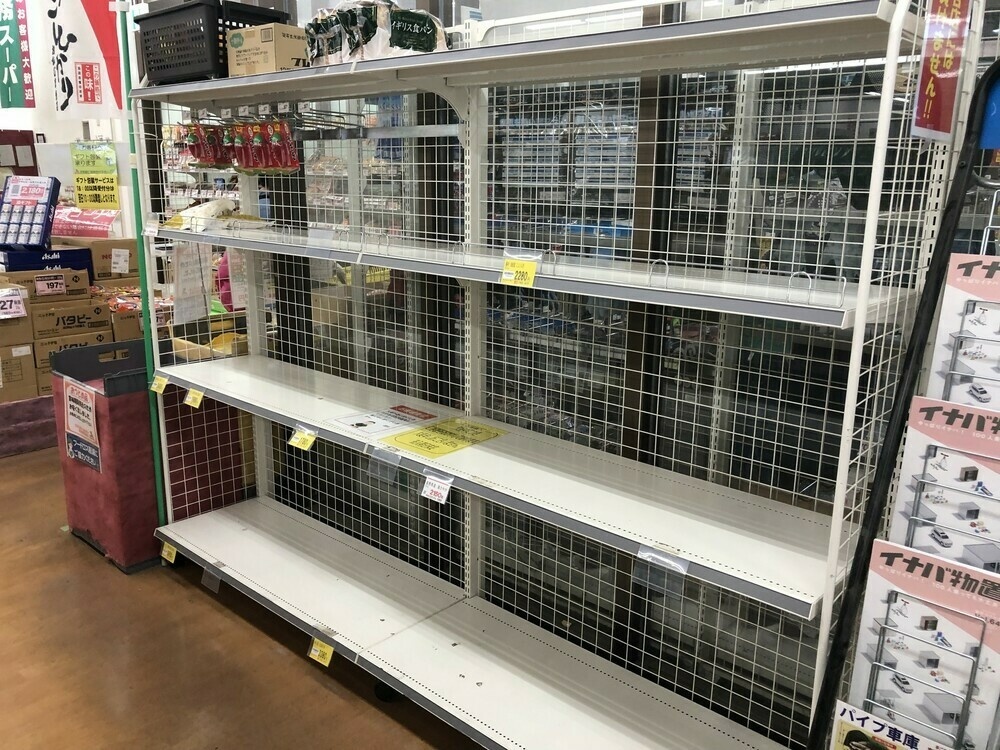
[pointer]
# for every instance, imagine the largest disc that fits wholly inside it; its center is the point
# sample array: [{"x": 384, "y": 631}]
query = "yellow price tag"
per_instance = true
[
  {"x": 168, "y": 552},
  {"x": 445, "y": 437},
  {"x": 193, "y": 398},
  {"x": 159, "y": 384},
  {"x": 302, "y": 439},
  {"x": 518, "y": 272},
  {"x": 321, "y": 652}
]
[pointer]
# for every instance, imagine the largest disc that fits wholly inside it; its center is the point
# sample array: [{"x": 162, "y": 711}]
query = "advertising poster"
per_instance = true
[
  {"x": 95, "y": 174},
  {"x": 948, "y": 501},
  {"x": 855, "y": 729},
  {"x": 86, "y": 65},
  {"x": 17, "y": 89},
  {"x": 966, "y": 356},
  {"x": 82, "y": 442},
  {"x": 928, "y": 648},
  {"x": 941, "y": 60}
]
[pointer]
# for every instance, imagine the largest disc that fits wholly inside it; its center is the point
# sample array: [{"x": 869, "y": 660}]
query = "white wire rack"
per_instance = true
[{"x": 679, "y": 419}]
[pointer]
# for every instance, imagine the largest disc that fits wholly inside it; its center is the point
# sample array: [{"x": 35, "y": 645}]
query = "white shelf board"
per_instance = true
[
  {"x": 330, "y": 583},
  {"x": 764, "y": 549},
  {"x": 778, "y": 297},
  {"x": 494, "y": 676},
  {"x": 528, "y": 688},
  {"x": 839, "y": 30}
]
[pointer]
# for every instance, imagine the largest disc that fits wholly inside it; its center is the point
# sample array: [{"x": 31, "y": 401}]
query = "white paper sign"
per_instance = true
[
  {"x": 437, "y": 488},
  {"x": 238, "y": 278},
  {"x": 81, "y": 413},
  {"x": 11, "y": 304},
  {"x": 119, "y": 260},
  {"x": 385, "y": 420},
  {"x": 192, "y": 279},
  {"x": 50, "y": 284}
]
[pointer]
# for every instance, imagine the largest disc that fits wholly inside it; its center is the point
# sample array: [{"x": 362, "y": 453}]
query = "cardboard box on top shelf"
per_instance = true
[
  {"x": 16, "y": 330},
  {"x": 266, "y": 49},
  {"x": 102, "y": 253},
  {"x": 45, "y": 347},
  {"x": 51, "y": 286},
  {"x": 50, "y": 321},
  {"x": 17, "y": 373}
]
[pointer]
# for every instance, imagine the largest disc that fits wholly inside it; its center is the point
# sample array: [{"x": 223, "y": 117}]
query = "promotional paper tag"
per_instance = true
[
  {"x": 119, "y": 260},
  {"x": 321, "y": 652},
  {"x": 168, "y": 552},
  {"x": 518, "y": 272},
  {"x": 159, "y": 384},
  {"x": 11, "y": 304},
  {"x": 50, "y": 284},
  {"x": 193, "y": 398}
]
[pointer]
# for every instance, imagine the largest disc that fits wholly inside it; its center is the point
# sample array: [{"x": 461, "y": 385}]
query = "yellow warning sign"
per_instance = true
[{"x": 444, "y": 437}]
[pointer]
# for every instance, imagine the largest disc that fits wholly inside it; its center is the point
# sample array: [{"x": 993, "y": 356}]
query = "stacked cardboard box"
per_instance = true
[
  {"x": 61, "y": 315},
  {"x": 17, "y": 358}
]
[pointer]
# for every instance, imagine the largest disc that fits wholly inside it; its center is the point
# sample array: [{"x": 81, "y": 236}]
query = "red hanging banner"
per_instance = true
[{"x": 937, "y": 88}]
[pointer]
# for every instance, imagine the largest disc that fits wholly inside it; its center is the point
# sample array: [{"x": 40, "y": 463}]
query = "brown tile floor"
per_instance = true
[{"x": 96, "y": 659}]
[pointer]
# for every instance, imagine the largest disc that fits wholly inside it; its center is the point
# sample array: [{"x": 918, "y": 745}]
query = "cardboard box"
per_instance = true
[
  {"x": 66, "y": 320},
  {"x": 266, "y": 49},
  {"x": 223, "y": 336},
  {"x": 61, "y": 257},
  {"x": 51, "y": 286},
  {"x": 45, "y": 347},
  {"x": 17, "y": 330},
  {"x": 101, "y": 253},
  {"x": 44, "y": 378},
  {"x": 126, "y": 324},
  {"x": 17, "y": 373}
]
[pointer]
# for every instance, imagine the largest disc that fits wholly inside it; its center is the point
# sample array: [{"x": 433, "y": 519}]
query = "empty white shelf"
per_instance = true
[
  {"x": 499, "y": 679},
  {"x": 325, "y": 582},
  {"x": 764, "y": 549},
  {"x": 774, "y": 296},
  {"x": 840, "y": 30}
]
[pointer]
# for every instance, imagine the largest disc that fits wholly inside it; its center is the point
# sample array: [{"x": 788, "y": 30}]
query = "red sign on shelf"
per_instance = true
[
  {"x": 941, "y": 60},
  {"x": 88, "y": 83}
]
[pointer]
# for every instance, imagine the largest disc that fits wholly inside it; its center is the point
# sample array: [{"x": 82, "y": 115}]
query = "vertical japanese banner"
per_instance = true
[
  {"x": 86, "y": 62},
  {"x": 940, "y": 63},
  {"x": 18, "y": 86},
  {"x": 95, "y": 174}
]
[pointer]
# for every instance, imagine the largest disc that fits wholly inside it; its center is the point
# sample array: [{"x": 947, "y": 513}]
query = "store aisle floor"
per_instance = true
[{"x": 94, "y": 658}]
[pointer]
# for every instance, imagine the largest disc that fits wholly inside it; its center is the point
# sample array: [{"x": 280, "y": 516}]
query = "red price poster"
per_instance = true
[{"x": 941, "y": 60}]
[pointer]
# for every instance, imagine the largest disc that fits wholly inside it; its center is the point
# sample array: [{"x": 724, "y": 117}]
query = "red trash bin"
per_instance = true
[{"x": 102, "y": 423}]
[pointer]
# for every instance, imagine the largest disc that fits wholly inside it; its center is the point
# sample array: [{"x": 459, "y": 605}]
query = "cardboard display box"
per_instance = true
[
  {"x": 51, "y": 286},
  {"x": 101, "y": 253},
  {"x": 17, "y": 373},
  {"x": 221, "y": 336},
  {"x": 45, "y": 347},
  {"x": 17, "y": 330},
  {"x": 126, "y": 324},
  {"x": 266, "y": 49},
  {"x": 75, "y": 318},
  {"x": 58, "y": 258},
  {"x": 44, "y": 378}
]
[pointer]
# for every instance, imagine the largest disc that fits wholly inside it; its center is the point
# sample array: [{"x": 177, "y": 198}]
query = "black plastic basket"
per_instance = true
[{"x": 186, "y": 40}]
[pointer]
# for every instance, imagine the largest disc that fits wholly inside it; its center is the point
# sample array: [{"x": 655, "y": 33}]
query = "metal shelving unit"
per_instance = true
[{"x": 683, "y": 409}]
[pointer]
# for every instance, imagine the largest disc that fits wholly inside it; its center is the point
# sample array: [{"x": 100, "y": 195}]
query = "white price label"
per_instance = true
[
  {"x": 202, "y": 114},
  {"x": 225, "y": 112},
  {"x": 120, "y": 260},
  {"x": 303, "y": 107},
  {"x": 11, "y": 304},
  {"x": 264, "y": 110},
  {"x": 284, "y": 108},
  {"x": 244, "y": 110},
  {"x": 50, "y": 285},
  {"x": 437, "y": 488}
]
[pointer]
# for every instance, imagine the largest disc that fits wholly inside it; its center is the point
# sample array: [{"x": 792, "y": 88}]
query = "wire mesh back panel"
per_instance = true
[
  {"x": 735, "y": 655},
  {"x": 372, "y": 501},
  {"x": 210, "y": 454}
]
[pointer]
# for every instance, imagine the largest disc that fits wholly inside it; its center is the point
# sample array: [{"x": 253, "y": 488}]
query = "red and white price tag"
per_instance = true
[
  {"x": 437, "y": 488},
  {"x": 11, "y": 304},
  {"x": 50, "y": 284}
]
